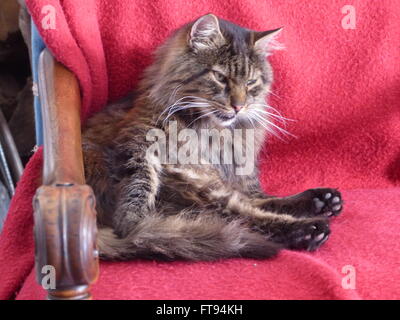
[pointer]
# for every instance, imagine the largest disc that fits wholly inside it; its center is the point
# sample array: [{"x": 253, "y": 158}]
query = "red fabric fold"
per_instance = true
[
  {"x": 16, "y": 238},
  {"x": 340, "y": 85}
]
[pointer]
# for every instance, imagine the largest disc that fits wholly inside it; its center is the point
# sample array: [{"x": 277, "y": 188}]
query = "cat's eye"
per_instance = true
[
  {"x": 219, "y": 76},
  {"x": 251, "y": 82}
]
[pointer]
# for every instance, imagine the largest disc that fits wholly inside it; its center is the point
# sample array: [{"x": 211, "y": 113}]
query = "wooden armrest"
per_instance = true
[{"x": 65, "y": 218}]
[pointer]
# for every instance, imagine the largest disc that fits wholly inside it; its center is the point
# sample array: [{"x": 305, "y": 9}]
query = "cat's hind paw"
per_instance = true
[
  {"x": 308, "y": 235},
  {"x": 326, "y": 201}
]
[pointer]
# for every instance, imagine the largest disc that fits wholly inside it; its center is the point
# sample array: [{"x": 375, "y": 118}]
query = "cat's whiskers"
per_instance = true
[
  {"x": 267, "y": 106},
  {"x": 255, "y": 117},
  {"x": 189, "y": 105},
  {"x": 273, "y": 93},
  {"x": 167, "y": 109},
  {"x": 269, "y": 125},
  {"x": 176, "y": 106},
  {"x": 180, "y": 105},
  {"x": 212, "y": 102},
  {"x": 202, "y": 116},
  {"x": 281, "y": 119},
  {"x": 265, "y": 120},
  {"x": 175, "y": 91},
  {"x": 218, "y": 104}
]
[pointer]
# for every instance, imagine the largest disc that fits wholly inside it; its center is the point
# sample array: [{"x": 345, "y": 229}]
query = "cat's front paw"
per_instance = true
[{"x": 309, "y": 235}]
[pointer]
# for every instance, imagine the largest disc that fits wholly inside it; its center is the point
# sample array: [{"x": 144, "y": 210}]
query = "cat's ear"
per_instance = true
[
  {"x": 265, "y": 41},
  {"x": 205, "y": 33}
]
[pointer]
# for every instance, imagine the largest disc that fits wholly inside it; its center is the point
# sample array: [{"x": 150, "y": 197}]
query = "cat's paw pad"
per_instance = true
[
  {"x": 309, "y": 235},
  {"x": 326, "y": 201}
]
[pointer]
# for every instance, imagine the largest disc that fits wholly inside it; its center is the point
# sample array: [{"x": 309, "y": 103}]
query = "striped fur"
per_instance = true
[{"x": 149, "y": 209}]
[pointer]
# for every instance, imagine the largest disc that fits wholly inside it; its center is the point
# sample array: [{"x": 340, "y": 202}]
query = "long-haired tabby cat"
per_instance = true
[{"x": 210, "y": 74}]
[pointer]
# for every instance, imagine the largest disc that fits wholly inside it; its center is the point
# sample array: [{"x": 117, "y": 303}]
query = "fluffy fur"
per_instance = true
[{"x": 211, "y": 74}]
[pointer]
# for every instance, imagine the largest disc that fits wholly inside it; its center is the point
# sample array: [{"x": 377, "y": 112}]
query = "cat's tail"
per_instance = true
[{"x": 179, "y": 238}]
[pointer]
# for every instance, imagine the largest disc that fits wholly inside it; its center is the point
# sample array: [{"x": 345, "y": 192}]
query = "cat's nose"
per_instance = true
[{"x": 237, "y": 107}]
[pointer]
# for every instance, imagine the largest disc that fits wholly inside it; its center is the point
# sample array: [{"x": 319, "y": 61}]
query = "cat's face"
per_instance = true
[{"x": 224, "y": 74}]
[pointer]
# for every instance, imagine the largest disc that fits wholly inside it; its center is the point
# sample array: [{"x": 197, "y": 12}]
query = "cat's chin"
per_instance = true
[
  {"x": 228, "y": 123},
  {"x": 225, "y": 120}
]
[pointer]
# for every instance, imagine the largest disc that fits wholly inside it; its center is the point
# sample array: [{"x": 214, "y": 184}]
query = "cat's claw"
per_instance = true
[
  {"x": 310, "y": 237},
  {"x": 306, "y": 236}
]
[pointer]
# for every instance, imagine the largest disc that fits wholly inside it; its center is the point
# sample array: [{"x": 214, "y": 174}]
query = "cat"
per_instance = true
[{"x": 210, "y": 74}]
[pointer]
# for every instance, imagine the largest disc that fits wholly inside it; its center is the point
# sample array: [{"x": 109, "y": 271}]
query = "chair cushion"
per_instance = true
[{"x": 364, "y": 244}]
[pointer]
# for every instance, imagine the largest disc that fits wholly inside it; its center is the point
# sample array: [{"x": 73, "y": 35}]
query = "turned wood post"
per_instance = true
[{"x": 64, "y": 206}]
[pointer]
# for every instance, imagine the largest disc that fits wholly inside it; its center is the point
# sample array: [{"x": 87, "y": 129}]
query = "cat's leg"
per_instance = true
[
  {"x": 312, "y": 202},
  {"x": 325, "y": 202},
  {"x": 136, "y": 193},
  {"x": 209, "y": 194},
  {"x": 306, "y": 233}
]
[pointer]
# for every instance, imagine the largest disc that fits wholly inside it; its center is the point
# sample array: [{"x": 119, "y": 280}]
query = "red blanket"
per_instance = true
[{"x": 338, "y": 77}]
